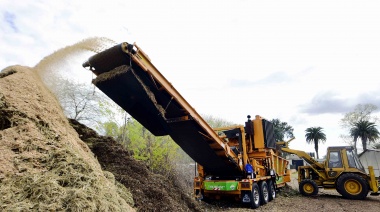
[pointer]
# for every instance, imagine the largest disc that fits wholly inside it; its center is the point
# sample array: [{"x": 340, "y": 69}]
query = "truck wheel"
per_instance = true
[
  {"x": 271, "y": 190},
  {"x": 308, "y": 187},
  {"x": 352, "y": 186},
  {"x": 255, "y": 202},
  {"x": 264, "y": 193}
]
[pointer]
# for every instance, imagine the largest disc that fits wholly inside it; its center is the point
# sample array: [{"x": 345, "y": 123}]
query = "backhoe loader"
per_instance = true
[{"x": 342, "y": 170}]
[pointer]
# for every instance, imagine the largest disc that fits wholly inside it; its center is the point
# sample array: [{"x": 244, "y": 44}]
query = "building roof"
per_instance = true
[{"x": 369, "y": 150}]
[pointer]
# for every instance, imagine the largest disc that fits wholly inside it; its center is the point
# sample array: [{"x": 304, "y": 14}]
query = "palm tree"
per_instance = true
[
  {"x": 315, "y": 135},
  {"x": 366, "y": 131}
]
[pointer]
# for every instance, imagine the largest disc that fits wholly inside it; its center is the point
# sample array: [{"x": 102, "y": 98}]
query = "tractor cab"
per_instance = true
[{"x": 341, "y": 159}]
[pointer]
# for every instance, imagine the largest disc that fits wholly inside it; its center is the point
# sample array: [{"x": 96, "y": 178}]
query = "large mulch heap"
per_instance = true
[
  {"x": 44, "y": 166},
  {"x": 151, "y": 192}
]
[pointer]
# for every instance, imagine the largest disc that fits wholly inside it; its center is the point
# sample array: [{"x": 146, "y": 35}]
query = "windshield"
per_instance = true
[{"x": 353, "y": 160}]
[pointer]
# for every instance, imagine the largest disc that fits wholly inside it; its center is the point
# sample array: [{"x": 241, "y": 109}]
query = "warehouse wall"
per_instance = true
[{"x": 371, "y": 157}]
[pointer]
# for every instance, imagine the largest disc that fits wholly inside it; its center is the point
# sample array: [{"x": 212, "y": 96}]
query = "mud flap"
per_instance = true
[
  {"x": 198, "y": 194},
  {"x": 246, "y": 197}
]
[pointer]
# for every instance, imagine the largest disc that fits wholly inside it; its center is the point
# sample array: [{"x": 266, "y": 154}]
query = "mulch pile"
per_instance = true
[
  {"x": 151, "y": 192},
  {"x": 44, "y": 166}
]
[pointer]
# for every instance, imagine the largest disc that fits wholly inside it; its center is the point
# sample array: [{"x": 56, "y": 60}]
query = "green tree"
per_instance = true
[
  {"x": 366, "y": 131},
  {"x": 116, "y": 121},
  {"x": 315, "y": 135},
  {"x": 282, "y": 130},
  {"x": 159, "y": 153},
  {"x": 216, "y": 122}
]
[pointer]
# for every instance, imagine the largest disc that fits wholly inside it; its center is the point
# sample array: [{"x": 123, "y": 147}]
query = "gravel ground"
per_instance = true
[{"x": 289, "y": 199}]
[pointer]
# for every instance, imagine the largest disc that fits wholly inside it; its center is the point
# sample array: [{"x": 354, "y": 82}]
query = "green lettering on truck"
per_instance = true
[{"x": 221, "y": 186}]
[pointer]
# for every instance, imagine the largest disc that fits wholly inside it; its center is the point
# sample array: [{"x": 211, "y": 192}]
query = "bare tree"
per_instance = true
[
  {"x": 80, "y": 101},
  {"x": 362, "y": 112}
]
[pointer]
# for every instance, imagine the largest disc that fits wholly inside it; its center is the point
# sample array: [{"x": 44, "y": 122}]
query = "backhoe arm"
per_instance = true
[
  {"x": 304, "y": 156},
  {"x": 285, "y": 148}
]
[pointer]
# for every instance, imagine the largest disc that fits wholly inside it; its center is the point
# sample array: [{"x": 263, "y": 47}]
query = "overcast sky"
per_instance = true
[{"x": 304, "y": 62}]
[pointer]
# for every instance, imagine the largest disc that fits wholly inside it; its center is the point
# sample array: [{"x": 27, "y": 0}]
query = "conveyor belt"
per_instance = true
[{"x": 126, "y": 75}]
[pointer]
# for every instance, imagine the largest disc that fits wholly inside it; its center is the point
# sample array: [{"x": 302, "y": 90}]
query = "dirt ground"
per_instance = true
[
  {"x": 289, "y": 199},
  {"x": 322, "y": 202}
]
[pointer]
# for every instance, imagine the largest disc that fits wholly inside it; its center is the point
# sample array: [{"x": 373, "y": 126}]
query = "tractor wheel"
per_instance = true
[
  {"x": 255, "y": 201},
  {"x": 352, "y": 186},
  {"x": 271, "y": 190},
  {"x": 264, "y": 192},
  {"x": 308, "y": 187}
]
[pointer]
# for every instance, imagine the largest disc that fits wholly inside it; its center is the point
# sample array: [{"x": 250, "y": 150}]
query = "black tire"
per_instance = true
[
  {"x": 255, "y": 202},
  {"x": 264, "y": 192},
  {"x": 308, "y": 187},
  {"x": 271, "y": 190},
  {"x": 352, "y": 186}
]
